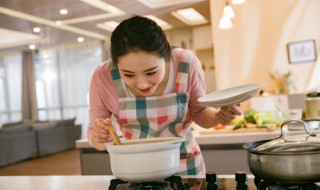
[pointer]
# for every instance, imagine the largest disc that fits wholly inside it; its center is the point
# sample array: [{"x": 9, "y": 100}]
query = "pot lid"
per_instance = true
[{"x": 291, "y": 143}]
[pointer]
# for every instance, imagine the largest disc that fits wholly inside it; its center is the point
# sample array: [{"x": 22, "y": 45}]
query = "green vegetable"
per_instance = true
[
  {"x": 248, "y": 116},
  {"x": 268, "y": 117},
  {"x": 240, "y": 124}
]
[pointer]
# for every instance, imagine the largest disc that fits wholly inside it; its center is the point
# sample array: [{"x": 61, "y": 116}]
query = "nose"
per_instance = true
[{"x": 142, "y": 83}]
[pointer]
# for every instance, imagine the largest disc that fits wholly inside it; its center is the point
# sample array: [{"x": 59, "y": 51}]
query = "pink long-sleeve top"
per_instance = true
[{"x": 104, "y": 97}]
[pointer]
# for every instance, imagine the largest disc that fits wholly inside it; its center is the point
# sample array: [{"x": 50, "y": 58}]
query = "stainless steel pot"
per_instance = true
[
  {"x": 289, "y": 159},
  {"x": 137, "y": 162}
]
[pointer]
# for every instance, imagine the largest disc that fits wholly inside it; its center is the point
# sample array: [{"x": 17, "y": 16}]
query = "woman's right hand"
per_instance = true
[{"x": 100, "y": 133}]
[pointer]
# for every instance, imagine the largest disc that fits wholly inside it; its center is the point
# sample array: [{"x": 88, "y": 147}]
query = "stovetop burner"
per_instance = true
[
  {"x": 262, "y": 184},
  {"x": 170, "y": 183}
]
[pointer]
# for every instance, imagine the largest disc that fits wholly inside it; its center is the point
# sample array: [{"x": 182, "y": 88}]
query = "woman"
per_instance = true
[{"x": 152, "y": 91}]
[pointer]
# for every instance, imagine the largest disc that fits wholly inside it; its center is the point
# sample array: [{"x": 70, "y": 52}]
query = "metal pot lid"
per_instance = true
[{"x": 291, "y": 143}]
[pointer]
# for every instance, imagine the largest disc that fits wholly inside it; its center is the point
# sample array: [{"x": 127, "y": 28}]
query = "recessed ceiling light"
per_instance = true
[
  {"x": 32, "y": 46},
  {"x": 110, "y": 25},
  {"x": 163, "y": 24},
  {"x": 154, "y": 4},
  {"x": 36, "y": 29},
  {"x": 189, "y": 16},
  {"x": 55, "y": 24},
  {"x": 63, "y": 11},
  {"x": 80, "y": 39}
]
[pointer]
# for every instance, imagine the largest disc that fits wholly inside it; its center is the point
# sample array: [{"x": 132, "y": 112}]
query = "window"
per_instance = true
[
  {"x": 10, "y": 87},
  {"x": 63, "y": 79}
]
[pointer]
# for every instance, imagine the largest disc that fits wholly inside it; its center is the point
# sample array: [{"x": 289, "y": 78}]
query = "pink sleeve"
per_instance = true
[
  {"x": 196, "y": 89},
  {"x": 98, "y": 93}
]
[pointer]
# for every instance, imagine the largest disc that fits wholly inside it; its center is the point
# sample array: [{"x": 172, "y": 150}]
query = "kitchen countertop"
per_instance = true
[
  {"x": 215, "y": 139},
  {"x": 90, "y": 182}
]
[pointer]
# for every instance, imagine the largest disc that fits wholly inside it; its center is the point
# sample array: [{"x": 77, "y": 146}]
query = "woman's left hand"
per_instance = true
[{"x": 226, "y": 114}]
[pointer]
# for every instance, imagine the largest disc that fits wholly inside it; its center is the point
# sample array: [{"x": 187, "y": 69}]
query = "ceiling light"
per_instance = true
[
  {"x": 163, "y": 24},
  {"x": 109, "y": 26},
  {"x": 32, "y": 46},
  {"x": 190, "y": 16},
  {"x": 228, "y": 11},
  {"x": 238, "y": 1},
  {"x": 63, "y": 11},
  {"x": 51, "y": 23},
  {"x": 154, "y": 4},
  {"x": 80, "y": 39},
  {"x": 101, "y": 5},
  {"x": 36, "y": 29},
  {"x": 225, "y": 22}
]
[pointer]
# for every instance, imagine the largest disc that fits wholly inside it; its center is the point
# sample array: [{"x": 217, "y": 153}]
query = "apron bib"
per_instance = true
[{"x": 161, "y": 116}]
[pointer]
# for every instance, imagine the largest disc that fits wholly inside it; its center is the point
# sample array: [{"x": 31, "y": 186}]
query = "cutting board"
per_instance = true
[{"x": 229, "y": 129}]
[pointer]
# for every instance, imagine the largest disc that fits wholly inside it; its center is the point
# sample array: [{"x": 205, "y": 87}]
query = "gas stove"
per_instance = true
[
  {"x": 211, "y": 182},
  {"x": 239, "y": 181}
]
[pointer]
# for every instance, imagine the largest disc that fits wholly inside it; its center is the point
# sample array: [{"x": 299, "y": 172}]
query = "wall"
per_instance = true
[{"x": 256, "y": 45}]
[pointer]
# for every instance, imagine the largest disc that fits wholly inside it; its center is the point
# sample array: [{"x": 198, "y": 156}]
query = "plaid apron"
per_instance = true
[{"x": 161, "y": 116}]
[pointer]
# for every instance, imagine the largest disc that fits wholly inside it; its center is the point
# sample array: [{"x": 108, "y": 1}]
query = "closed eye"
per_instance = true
[
  {"x": 151, "y": 73},
  {"x": 129, "y": 76}
]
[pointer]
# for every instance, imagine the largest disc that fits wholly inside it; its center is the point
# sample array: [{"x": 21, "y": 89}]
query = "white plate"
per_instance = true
[{"x": 230, "y": 96}]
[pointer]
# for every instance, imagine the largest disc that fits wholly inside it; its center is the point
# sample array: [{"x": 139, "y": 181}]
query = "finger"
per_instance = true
[
  {"x": 100, "y": 140},
  {"x": 107, "y": 121},
  {"x": 227, "y": 113},
  {"x": 234, "y": 109},
  {"x": 222, "y": 119},
  {"x": 101, "y": 130},
  {"x": 100, "y": 135},
  {"x": 100, "y": 123}
]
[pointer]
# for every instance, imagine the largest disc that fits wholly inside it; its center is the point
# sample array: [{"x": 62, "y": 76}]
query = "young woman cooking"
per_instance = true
[{"x": 162, "y": 83}]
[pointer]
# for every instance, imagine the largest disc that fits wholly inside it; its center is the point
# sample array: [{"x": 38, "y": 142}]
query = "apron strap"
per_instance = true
[
  {"x": 117, "y": 81},
  {"x": 183, "y": 71}
]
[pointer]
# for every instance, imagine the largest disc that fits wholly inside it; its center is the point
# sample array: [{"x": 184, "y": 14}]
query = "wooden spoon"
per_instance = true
[{"x": 112, "y": 133}]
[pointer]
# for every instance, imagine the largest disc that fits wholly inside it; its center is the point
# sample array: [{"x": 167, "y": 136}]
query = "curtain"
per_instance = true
[
  {"x": 29, "y": 101},
  {"x": 10, "y": 87},
  {"x": 63, "y": 76}
]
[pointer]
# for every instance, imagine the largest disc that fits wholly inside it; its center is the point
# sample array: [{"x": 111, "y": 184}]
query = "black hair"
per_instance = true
[{"x": 139, "y": 34}]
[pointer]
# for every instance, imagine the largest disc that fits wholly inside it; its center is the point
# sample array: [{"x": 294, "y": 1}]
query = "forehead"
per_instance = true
[{"x": 139, "y": 60}]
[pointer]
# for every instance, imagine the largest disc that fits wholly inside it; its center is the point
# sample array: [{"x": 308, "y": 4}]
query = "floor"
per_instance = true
[{"x": 64, "y": 163}]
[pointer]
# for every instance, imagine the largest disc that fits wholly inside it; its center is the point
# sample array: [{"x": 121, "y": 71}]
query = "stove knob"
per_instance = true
[
  {"x": 212, "y": 180},
  {"x": 241, "y": 179}
]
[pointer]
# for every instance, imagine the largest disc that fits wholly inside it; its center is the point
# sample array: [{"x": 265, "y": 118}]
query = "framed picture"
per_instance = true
[{"x": 302, "y": 51}]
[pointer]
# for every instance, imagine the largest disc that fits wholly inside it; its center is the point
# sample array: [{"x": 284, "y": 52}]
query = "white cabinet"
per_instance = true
[{"x": 202, "y": 37}]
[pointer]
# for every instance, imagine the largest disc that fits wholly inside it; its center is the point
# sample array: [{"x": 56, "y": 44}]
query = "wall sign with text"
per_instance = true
[{"x": 302, "y": 51}]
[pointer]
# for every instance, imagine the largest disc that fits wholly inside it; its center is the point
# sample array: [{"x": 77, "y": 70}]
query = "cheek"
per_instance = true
[{"x": 159, "y": 77}]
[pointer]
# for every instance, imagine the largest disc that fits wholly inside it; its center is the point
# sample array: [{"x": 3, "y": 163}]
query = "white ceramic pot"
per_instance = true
[{"x": 145, "y": 162}]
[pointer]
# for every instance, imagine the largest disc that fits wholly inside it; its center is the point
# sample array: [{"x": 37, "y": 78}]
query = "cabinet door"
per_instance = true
[{"x": 202, "y": 37}]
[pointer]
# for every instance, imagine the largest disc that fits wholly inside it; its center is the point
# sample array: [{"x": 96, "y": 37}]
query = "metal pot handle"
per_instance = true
[{"x": 285, "y": 130}]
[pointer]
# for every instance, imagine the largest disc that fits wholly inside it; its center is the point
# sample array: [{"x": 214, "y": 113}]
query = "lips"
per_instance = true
[{"x": 146, "y": 90}]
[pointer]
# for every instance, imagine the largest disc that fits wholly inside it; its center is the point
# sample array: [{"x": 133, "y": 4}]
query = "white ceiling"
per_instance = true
[{"x": 19, "y": 17}]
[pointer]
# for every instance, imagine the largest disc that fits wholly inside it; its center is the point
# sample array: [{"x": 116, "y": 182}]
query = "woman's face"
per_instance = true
[{"x": 142, "y": 72}]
